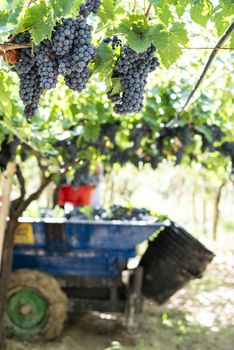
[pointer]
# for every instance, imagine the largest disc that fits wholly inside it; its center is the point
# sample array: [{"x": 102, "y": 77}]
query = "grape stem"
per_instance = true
[
  {"x": 147, "y": 13},
  {"x": 134, "y": 6},
  {"x": 9, "y": 46}
]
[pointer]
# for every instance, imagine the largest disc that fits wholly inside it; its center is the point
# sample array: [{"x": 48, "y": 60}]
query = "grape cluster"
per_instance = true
[
  {"x": 132, "y": 69},
  {"x": 48, "y": 66},
  {"x": 7, "y": 151},
  {"x": 68, "y": 53},
  {"x": 27, "y": 61},
  {"x": 90, "y": 6},
  {"x": 63, "y": 37},
  {"x": 115, "y": 41},
  {"x": 30, "y": 90},
  {"x": 227, "y": 149}
]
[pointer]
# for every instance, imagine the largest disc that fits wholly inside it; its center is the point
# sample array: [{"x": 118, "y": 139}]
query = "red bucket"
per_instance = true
[{"x": 77, "y": 196}]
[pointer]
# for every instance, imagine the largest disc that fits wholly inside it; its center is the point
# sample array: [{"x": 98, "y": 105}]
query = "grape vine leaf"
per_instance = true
[
  {"x": 135, "y": 29},
  {"x": 232, "y": 41},
  {"x": 201, "y": 11},
  {"x": 223, "y": 15},
  {"x": 108, "y": 11},
  {"x": 163, "y": 12},
  {"x": 158, "y": 36},
  {"x": 116, "y": 86},
  {"x": 62, "y": 7},
  {"x": 91, "y": 132},
  {"x": 180, "y": 6},
  {"x": 39, "y": 20},
  {"x": 104, "y": 63},
  {"x": 5, "y": 104},
  {"x": 204, "y": 130},
  {"x": 168, "y": 41}
]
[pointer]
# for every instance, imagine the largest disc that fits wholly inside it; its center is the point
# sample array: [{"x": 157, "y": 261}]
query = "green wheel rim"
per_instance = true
[{"x": 27, "y": 310}]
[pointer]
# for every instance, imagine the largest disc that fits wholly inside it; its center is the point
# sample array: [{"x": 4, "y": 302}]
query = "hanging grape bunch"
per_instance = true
[
  {"x": 68, "y": 53},
  {"x": 132, "y": 69},
  {"x": 7, "y": 151}
]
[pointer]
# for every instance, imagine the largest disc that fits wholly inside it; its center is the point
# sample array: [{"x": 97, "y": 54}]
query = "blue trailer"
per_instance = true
[{"x": 65, "y": 265}]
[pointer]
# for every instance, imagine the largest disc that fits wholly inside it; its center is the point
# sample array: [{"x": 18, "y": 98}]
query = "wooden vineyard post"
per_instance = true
[
  {"x": 6, "y": 187},
  {"x": 216, "y": 214}
]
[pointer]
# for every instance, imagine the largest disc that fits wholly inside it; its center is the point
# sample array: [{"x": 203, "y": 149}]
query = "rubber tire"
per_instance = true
[{"x": 56, "y": 299}]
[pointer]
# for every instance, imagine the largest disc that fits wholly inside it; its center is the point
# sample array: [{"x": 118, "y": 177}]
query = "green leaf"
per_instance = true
[
  {"x": 116, "y": 86},
  {"x": 107, "y": 11},
  {"x": 91, "y": 132},
  {"x": 163, "y": 12},
  {"x": 63, "y": 7},
  {"x": 158, "y": 36},
  {"x": 135, "y": 29},
  {"x": 39, "y": 20},
  {"x": 181, "y": 6},
  {"x": 201, "y": 11},
  {"x": 170, "y": 50},
  {"x": 204, "y": 130},
  {"x": 4, "y": 18},
  {"x": 5, "y": 104},
  {"x": 138, "y": 42},
  {"x": 223, "y": 15},
  {"x": 179, "y": 33},
  {"x": 232, "y": 41},
  {"x": 104, "y": 63}
]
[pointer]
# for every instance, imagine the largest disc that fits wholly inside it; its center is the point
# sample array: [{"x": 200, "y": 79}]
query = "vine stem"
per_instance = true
[
  {"x": 9, "y": 46},
  {"x": 134, "y": 6},
  {"x": 214, "y": 52},
  {"x": 147, "y": 13}
]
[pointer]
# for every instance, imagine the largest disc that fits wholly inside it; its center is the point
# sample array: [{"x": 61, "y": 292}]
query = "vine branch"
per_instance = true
[
  {"x": 214, "y": 52},
  {"x": 21, "y": 182},
  {"x": 9, "y": 46},
  {"x": 147, "y": 13}
]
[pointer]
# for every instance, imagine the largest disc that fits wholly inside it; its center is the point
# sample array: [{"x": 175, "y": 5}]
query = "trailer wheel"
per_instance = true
[{"x": 36, "y": 306}]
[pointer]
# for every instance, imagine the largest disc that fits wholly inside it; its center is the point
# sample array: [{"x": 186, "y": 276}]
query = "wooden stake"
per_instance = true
[{"x": 6, "y": 184}]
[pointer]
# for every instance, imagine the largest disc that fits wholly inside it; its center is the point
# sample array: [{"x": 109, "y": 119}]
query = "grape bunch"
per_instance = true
[
  {"x": 132, "y": 69},
  {"x": 47, "y": 65},
  {"x": 90, "y": 6},
  {"x": 30, "y": 90},
  {"x": 115, "y": 41},
  {"x": 27, "y": 60},
  {"x": 7, "y": 151},
  {"x": 227, "y": 149},
  {"x": 68, "y": 53}
]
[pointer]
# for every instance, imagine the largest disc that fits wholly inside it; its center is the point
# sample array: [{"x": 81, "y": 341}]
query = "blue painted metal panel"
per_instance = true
[
  {"x": 82, "y": 248},
  {"x": 106, "y": 236},
  {"x": 85, "y": 264}
]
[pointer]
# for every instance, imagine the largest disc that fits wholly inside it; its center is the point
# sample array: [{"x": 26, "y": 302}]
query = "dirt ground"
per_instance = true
[{"x": 199, "y": 317}]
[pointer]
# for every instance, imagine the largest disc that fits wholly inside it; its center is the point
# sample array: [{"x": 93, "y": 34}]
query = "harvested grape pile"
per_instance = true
[
  {"x": 115, "y": 212},
  {"x": 68, "y": 53}
]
